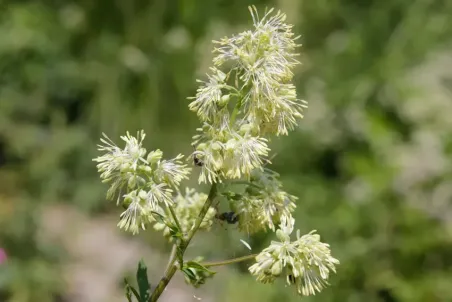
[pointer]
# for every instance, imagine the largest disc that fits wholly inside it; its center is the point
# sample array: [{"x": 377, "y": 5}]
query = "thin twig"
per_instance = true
[{"x": 229, "y": 261}]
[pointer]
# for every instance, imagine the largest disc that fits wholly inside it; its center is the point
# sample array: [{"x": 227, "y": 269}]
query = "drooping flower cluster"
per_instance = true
[
  {"x": 187, "y": 208},
  {"x": 263, "y": 203},
  {"x": 142, "y": 185},
  {"x": 254, "y": 99},
  {"x": 305, "y": 262}
]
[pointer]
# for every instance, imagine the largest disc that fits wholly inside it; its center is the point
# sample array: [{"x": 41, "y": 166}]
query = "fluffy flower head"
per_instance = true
[
  {"x": 142, "y": 185},
  {"x": 239, "y": 108},
  {"x": 264, "y": 202},
  {"x": 305, "y": 262}
]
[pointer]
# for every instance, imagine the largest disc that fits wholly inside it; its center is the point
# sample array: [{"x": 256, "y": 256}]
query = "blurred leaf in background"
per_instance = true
[{"x": 370, "y": 162}]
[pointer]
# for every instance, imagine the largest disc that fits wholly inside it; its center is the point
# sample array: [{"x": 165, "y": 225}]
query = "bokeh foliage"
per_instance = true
[{"x": 370, "y": 162}]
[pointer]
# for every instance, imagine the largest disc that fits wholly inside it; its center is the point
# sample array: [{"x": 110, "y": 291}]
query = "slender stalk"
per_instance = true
[
  {"x": 173, "y": 214},
  {"x": 172, "y": 257},
  {"x": 229, "y": 261},
  {"x": 172, "y": 266},
  {"x": 163, "y": 283},
  {"x": 235, "y": 112},
  {"x": 203, "y": 212}
]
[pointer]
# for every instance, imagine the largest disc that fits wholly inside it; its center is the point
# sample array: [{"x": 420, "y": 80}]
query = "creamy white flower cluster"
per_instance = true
[
  {"x": 239, "y": 110},
  {"x": 253, "y": 99},
  {"x": 144, "y": 184},
  {"x": 305, "y": 262},
  {"x": 263, "y": 202},
  {"x": 187, "y": 208}
]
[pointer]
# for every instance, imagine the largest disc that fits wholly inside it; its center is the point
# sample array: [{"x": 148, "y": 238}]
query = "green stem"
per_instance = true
[
  {"x": 172, "y": 257},
  {"x": 172, "y": 266},
  {"x": 229, "y": 261},
  {"x": 202, "y": 213},
  {"x": 173, "y": 214},
  {"x": 235, "y": 112},
  {"x": 163, "y": 283}
]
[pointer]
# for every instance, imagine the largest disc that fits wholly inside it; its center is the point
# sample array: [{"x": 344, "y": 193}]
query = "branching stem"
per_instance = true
[{"x": 182, "y": 246}]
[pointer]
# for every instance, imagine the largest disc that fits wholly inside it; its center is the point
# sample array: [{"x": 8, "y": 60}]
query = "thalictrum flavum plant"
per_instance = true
[{"x": 247, "y": 98}]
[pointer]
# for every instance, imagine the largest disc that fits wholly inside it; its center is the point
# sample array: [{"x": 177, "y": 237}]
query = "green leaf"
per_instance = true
[
  {"x": 199, "y": 266},
  {"x": 195, "y": 265},
  {"x": 195, "y": 273},
  {"x": 128, "y": 293},
  {"x": 189, "y": 272},
  {"x": 159, "y": 217},
  {"x": 143, "y": 284},
  {"x": 175, "y": 232},
  {"x": 130, "y": 290}
]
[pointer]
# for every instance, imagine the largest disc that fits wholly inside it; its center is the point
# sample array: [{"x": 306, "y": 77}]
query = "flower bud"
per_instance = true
[
  {"x": 154, "y": 156},
  {"x": 201, "y": 147},
  {"x": 244, "y": 129},
  {"x": 125, "y": 167},
  {"x": 224, "y": 100},
  {"x": 231, "y": 144},
  {"x": 159, "y": 226},
  {"x": 265, "y": 264},
  {"x": 146, "y": 169},
  {"x": 132, "y": 182},
  {"x": 282, "y": 236},
  {"x": 276, "y": 268},
  {"x": 216, "y": 146},
  {"x": 140, "y": 181},
  {"x": 127, "y": 201},
  {"x": 143, "y": 194},
  {"x": 221, "y": 75},
  {"x": 264, "y": 38}
]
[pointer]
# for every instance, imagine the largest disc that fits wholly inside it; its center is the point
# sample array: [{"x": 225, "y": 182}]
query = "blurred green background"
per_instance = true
[{"x": 370, "y": 162}]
